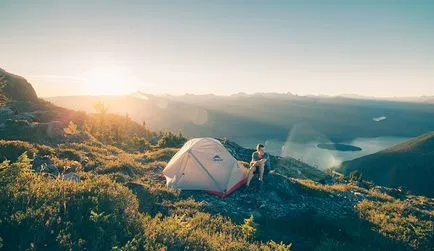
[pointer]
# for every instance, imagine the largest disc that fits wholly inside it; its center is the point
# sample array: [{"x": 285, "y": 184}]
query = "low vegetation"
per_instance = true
[
  {"x": 401, "y": 221},
  {"x": 122, "y": 203},
  {"x": 100, "y": 214},
  {"x": 319, "y": 189},
  {"x": 11, "y": 150}
]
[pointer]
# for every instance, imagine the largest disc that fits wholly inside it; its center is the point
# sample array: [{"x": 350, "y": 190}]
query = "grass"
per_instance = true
[
  {"x": 160, "y": 217},
  {"x": 11, "y": 150},
  {"x": 100, "y": 214},
  {"x": 294, "y": 168},
  {"x": 400, "y": 221},
  {"x": 164, "y": 154},
  {"x": 318, "y": 189}
]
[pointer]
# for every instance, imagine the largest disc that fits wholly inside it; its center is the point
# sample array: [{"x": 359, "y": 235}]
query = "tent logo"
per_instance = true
[{"x": 217, "y": 158}]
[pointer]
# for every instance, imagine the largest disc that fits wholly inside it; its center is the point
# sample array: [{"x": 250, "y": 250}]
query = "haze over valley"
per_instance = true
[{"x": 289, "y": 125}]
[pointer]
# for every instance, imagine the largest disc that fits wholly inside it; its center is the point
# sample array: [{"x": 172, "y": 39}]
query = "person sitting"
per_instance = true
[{"x": 260, "y": 161}]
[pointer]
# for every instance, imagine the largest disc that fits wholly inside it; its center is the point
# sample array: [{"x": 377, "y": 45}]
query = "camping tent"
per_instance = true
[{"x": 205, "y": 164}]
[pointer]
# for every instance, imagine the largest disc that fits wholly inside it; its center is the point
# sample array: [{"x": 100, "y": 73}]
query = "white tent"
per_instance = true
[{"x": 205, "y": 164}]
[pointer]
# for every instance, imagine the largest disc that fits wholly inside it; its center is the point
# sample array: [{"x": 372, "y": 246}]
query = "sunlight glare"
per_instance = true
[{"x": 108, "y": 81}]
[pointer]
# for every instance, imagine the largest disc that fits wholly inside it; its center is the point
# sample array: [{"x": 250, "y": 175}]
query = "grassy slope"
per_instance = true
[
  {"x": 15, "y": 87},
  {"x": 312, "y": 215}
]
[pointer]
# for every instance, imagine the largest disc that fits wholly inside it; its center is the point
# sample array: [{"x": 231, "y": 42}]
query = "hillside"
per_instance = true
[
  {"x": 268, "y": 116},
  {"x": 409, "y": 164},
  {"x": 14, "y": 87},
  {"x": 97, "y": 185}
]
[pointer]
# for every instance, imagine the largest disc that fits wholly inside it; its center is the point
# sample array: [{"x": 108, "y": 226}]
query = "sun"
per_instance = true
[{"x": 107, "y": 81}]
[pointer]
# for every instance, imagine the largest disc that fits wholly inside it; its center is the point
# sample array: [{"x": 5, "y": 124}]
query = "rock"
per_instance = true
[
  {"x": 50, "y": 168},
  {"x": 237, "y": 151},
  {"x": 78, "y": 137},
  {"x": 53, "y": 169},
  {"x": 52, "y": 129},
  {"x": 72, "y": 177},
  {"x": 55, "y": 129},
  {"x": 39, "y": 160},
  {"x": 45, "y": 165}
]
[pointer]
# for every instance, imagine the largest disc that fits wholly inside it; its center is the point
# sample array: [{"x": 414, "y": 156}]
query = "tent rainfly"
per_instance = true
[{"x": 205, "y": 164}]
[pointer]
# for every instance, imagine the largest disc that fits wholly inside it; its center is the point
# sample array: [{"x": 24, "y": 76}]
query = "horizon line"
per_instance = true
[{"x": 342, "y": 95}]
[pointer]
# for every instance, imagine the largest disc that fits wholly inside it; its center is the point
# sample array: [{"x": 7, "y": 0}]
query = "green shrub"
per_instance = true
[
  {"x": 122, "y": 163},
  {"x": 172, "y": 140},
  {"x": 71, "y": 129},
  {"x": 11, "y": 150},
  {"x": 93, "y": 148},
  {"x": 188, "y": 207},
  {"x": 44, "y": 150},
  {"x": 66, "y": 165},
  {"x": 91, "y": 166},
  {"x": 138, "y": 144},
  {"x": 249, "y": 228},
  {"x": 153, "y": 197},
  {"x": 36, "y": 212},
  {"x": 199, "y": 232},
  {"x": 70, "y": 154},
  {"x": 114, "y": 129},
  {"x": 164, "y": 154}
]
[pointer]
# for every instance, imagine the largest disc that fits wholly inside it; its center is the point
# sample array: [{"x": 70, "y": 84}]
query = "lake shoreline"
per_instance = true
[{"x": 311, "y": 154}]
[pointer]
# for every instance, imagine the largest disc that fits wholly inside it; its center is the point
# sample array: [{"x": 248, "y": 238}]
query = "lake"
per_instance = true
[{"x": 311, "y": 154}]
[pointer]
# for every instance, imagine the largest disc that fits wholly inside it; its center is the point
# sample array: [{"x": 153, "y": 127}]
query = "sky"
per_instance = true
[{"x": 371, "y": 48}]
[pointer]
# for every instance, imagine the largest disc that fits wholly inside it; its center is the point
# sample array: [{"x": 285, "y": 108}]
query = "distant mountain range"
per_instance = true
[
  {"x": 265, "y": 116},
  {"x": 409, "y": 164},
  {"x": 420, "y": 99}
]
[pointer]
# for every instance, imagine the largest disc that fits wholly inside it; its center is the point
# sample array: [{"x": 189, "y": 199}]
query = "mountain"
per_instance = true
[
  {"x": 15, "y": 87},
  {"x": 265, "y": 116},
  {"x": 96, "y": 184},
  {"x": 409, "y": 164},
  {"x": 24, "y": 116}
]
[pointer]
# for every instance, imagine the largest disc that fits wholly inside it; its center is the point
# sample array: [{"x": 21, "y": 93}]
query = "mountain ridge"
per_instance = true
[{"x": 408, "y": 164}]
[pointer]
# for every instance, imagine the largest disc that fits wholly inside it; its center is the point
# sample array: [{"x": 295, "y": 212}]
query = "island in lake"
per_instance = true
[{"x": 340, "y": 147}]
